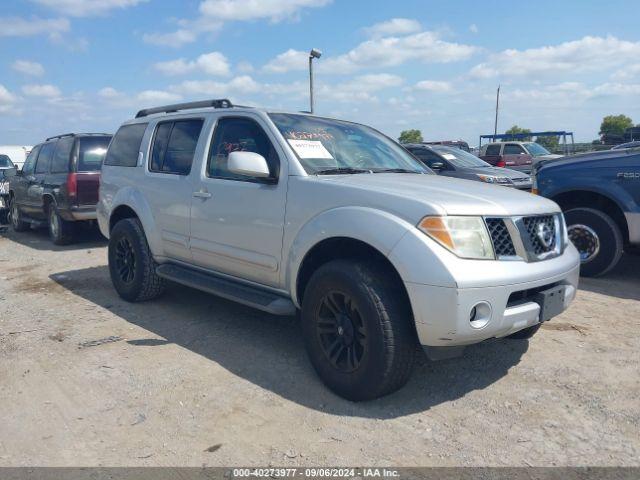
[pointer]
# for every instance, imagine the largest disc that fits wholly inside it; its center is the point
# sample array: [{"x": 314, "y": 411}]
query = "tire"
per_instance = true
[
  {"x": 17, "y": 223},
  {"x": 131, "y": 265},
  {"x": 61, "y": 232},
  {"x": 374, "y": 324},
  {"x": 597, "y": 238},
  {"x": 525, "y": 333}
]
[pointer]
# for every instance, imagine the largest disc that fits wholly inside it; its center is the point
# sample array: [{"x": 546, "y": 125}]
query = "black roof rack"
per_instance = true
[
  {"x": 218, "y": 103},
  {"x": 74, "y": 134}
]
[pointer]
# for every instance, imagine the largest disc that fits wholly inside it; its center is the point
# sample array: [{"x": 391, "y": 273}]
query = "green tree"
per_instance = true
[
  {"x": 516, "y": 129},
  {"x": 550, "y": 143},
  {"x": 410, "y": 136},
  {"x": 615, "y": 125}
]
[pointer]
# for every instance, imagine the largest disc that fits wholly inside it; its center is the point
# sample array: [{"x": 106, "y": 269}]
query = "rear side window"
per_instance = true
[
  {"x": 60, "y": 161},
  {"x": 125, "y": 146},
  {"x": 44, "y": 159},
  {"x": 513, "y": 150},
  {"x": 493, "y": 150},
  {"x": 91, "y": 153},
  {"x": 174, "y": 146}
]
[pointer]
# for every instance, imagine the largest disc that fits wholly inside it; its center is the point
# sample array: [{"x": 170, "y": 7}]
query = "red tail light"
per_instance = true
[
  {"x": 501, "y": 164},
  {"x": 72, "y": 185}
]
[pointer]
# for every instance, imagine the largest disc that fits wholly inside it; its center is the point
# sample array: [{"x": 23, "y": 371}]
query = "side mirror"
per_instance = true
[
  {"x": 436, "y": 165},
  {"x": 248, "y": 164}
]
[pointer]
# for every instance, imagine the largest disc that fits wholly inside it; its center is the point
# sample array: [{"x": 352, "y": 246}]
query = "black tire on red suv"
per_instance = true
[
  {"x": 131, "y": 265},
  {"x": 358, "y": 330},
  {"x": 598, "y": 239},
  {"x": 61, "y": 232},
  {"x": 17, "y": 223}
]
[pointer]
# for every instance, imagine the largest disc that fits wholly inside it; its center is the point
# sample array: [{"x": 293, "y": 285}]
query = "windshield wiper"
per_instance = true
[
  {"x": 338, "y": 171},
  {"x": 395, "y": 170}
]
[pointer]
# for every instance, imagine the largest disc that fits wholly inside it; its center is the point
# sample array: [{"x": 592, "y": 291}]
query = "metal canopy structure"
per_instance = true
[{"x": 522, "y": 136}]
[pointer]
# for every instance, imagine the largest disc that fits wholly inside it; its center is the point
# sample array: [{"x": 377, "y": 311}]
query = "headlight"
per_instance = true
[
  {"x": 467, "y": 237},
  {"x": 493, "y": 179}
]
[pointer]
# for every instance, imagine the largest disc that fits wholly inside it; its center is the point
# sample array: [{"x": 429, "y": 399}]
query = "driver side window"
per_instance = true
[
  {"x": 239, "y": 135},
  {"x": 30, "y": 163}
]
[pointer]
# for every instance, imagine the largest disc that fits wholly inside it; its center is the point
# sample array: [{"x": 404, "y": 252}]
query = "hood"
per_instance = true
[
  {"x": 495, "y": 171},
  {"x": 432, "y": 194}
]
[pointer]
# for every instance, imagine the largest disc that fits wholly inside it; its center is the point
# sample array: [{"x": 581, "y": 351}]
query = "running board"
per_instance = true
[{"x": 229, "y": 289}]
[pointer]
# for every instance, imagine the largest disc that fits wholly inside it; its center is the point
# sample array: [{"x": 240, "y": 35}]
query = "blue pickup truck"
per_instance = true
[{"x": 599, "y": 194}]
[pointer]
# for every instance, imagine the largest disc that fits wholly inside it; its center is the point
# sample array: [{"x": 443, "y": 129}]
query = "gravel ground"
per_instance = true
[{"x": 87, "y": 379}]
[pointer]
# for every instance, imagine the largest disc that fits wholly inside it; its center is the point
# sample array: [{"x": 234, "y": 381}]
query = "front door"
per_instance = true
[
  {"x": 36, "y": 182},
  {"x": 20, "y": 183},
  {"x": 237, "y": 222}
]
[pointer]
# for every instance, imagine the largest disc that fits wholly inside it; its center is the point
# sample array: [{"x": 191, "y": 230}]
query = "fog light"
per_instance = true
[{"x": 480, "y": 315}]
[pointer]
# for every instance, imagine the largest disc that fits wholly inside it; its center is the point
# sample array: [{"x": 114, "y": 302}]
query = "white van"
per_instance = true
[{"x": 17, "y": 153}]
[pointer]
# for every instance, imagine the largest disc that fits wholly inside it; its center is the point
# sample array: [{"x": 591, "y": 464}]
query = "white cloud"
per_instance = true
[
  {"x": 28, "y": 68},
  {"x": 361, "y": 88},
  {"x": 86, "y": 8},
  {"x": 586, "y": 54},
  {"x": 627, "y": 72},
  {"x": 26, "y": 27},
  {"x": 436, "y": 86},
  {"x": 243, "y": 84},
  {"x": 7, "y": 99},
  {"x": 288, "y": 61},
  {"x": 172, "y": 39},
  {"x": 44, "y": 90},
  {"x": 157, "y": 96},
  {"x": 274, "y": 10},
  {"x": 425, "y": 47},
  {"x": 395, "y": 26},
  {"x": 244, "y": 67},
  {"x": 109, "y": 92},
  {"x": 214, "y": 63}
]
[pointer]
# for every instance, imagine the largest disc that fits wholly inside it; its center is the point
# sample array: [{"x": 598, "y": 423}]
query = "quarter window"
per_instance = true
[
  {"x": 174, "y": 146},
  {"x": 44, "y": 159},
  {"x": 239, "y": 135},
  {"x": 124, "y": 148},
  {"x": 60, "y": 161}
]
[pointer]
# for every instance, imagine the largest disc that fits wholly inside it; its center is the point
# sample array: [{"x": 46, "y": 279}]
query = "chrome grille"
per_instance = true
[
  {"x": 542, "y": 233},
  {"x": 502, "y": 243}
]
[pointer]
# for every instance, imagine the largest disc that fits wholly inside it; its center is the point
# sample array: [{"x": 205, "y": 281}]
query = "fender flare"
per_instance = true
[
  {"x": 378, "y": 229},
  {"x": 133, "y": 199}
]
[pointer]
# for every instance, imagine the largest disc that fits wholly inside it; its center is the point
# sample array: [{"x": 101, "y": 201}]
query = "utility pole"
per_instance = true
[
  {"x": 495, "y": 127},
  {"x": 314, "y": 53}
]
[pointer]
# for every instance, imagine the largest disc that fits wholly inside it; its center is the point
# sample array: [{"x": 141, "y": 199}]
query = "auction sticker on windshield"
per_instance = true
[
  {"x": 448, "y": 156},
  {"x": 310, "y": 149}
]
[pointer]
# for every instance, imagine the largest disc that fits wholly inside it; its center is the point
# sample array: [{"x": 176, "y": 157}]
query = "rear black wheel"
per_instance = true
[
  {"x": 61, "y": 231},
  {"x": 597, "y": 238},
  {"x": 131, "y": 265},
  {"x": 17, "y": 222},
  {"x": 358, "y": 330}
]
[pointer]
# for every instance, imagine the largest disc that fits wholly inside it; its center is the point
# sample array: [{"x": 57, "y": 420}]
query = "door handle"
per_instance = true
[{"x": 202, "y": 194}]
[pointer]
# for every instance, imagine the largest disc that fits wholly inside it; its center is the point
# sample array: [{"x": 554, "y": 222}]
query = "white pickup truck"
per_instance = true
[{"x": 289, "y": 212}]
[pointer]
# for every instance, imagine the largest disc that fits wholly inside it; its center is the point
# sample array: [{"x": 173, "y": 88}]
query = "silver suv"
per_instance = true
[{"x": 289, "y": 212}]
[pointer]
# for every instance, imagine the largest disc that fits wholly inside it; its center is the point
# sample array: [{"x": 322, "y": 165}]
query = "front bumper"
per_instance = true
[
  {"x": 442, "y": 314},
  {"x": 4, "y": 202}
]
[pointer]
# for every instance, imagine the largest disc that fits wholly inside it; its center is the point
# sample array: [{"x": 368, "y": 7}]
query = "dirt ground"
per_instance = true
[{"x": 87, "y": 379}]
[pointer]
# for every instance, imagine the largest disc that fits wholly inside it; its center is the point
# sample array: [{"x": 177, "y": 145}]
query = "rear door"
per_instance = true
[
  {"x": 88, "y": 155},
  {"x": 516, "y": 157},
  {"x": 59, "y": 170},
  {"x": 492, "y": 154}
]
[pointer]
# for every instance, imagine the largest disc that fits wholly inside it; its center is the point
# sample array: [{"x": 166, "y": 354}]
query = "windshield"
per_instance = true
[
  {"x": 536, "y": 149},
  {"x": 92, "y": 151},
  {"x": 5, "y": 162},
  {"x": 326, "y": 146},
  {"x": 460, "y": 158}
]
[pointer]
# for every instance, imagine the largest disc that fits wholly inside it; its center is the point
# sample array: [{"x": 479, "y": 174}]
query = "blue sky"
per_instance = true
[{"x": 88, "y": 65}]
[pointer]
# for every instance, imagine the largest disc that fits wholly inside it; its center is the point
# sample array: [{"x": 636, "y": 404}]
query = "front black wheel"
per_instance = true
[
  {"x": 17, "y": 223},
  {"x": 358, "y": 330},
  {"x": 131, "y": 264},
  {"x": 597, "y": 238}
]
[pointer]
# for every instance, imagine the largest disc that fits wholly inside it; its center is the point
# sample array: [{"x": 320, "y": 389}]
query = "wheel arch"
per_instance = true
[{"x": 596, "y": 200}]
